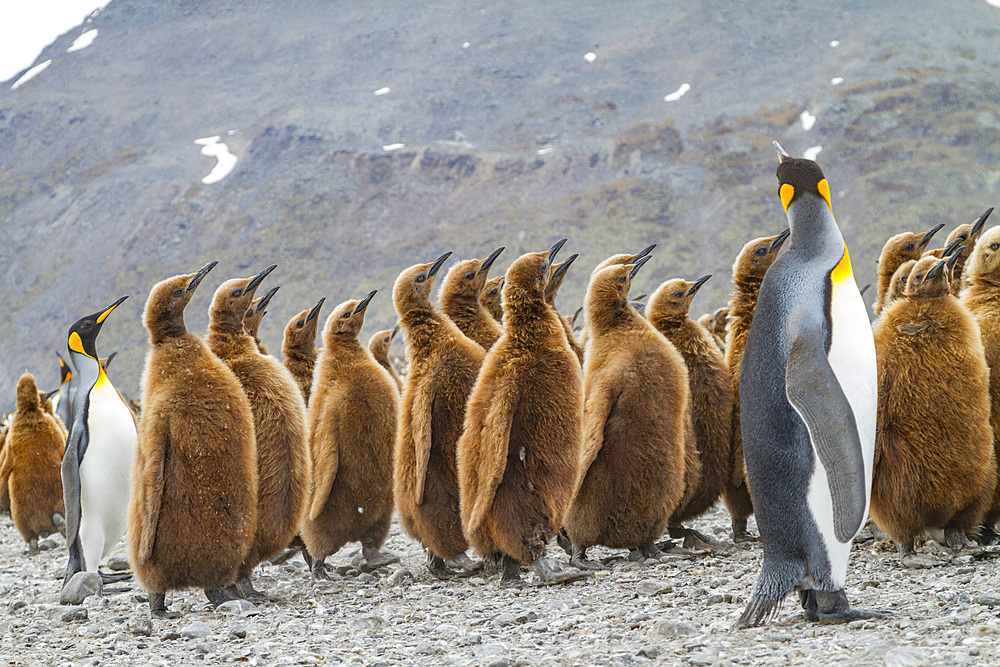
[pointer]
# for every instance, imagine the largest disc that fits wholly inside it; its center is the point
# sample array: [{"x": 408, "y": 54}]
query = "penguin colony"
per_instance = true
[{"x": 509, "y": 429}]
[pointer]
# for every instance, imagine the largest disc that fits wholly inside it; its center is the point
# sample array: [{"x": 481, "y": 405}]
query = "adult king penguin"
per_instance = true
[
  {"x": 808, "y": 404},
  {"x": 64, "y": 399},
  {"x": 100, "y": 451}
]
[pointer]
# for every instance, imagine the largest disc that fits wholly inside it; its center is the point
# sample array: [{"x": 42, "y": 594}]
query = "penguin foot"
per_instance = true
[
  {"x": 743, "y": 537},
  {"x": 60, "y": 523},
  {"x": 988, "y": 536},
  {"x": 562, "y": 539},
  {"x": 373, "y": 559},
  {"x": 492, "y": 564},
  {"x": 959, "y": 542},
  {"x": 580, "y": 561},
  {"x": 510, "y": 571},
  {"x": 319, "y": 571},
  {"x": 465, "y": 564},
  {"x": 550, "y": 575},
  {"x": 248, "y": 592},
  {"x": 809, "y": 607},
  {"x": 158, "y": 607},
  {"x": 834, "y": 608},
  {"x": 651, "y": 550},
  {"x": 216, "y": 595},
  {"x": 439, "y": 568},
  {"x": 114, "y": 577}
]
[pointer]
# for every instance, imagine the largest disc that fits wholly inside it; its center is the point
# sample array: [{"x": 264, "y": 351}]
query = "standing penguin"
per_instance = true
[
  {"x": 519, "y": 453},
  {"x": 100, "y": 452},
  {"x": 711, "y": 394},
  {"x": 379, "y": 345},
  {"x": 299, "y": 347},
  {"x": 30, "y": 467},
  {"x": 558, "y": 275},
  {"x": 808, "y": 398},
  {"x": 898, "y": 283},
  {"x": 935, "y": 466},
  {"x": 491, "y": 297},
  {"x": 255, "y": 315},
  {"x": 967, "y": 235},
  {"x": 720, "y": 325},
  {"x": 896, "y": 251},
  {"x": 460, "y": 292},
  {"x": 64, "y": 399},
  {"x": 748, "y": 272},
  {"x": 980, "y": 297},
  {"x": 194, "y": 510},
  {"x": 352, "y": 426},
  {"x": 444, "y": 364},
  {"x": 279, "y": 420},
  {"x": 635, "y": 425}
]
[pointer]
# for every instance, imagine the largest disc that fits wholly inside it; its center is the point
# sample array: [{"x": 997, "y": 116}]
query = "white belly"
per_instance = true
[
  {"x": 852, "y": 357},
  {"x": 105, "y": 474}
]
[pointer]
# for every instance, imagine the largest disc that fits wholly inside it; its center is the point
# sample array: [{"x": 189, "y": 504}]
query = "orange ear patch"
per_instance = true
[
  {"x": 786, "y": 192},
  {"x": 824, "y": 191}
]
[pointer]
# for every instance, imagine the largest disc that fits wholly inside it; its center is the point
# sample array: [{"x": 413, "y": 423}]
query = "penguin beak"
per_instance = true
[
  {"x": 954, "y": 244},
  {"x": 107, "y": 311},
  {"x": 315, "y": 310},
  {"x": 697, "y": 284},
  {"x": 47, "y": 395},
  {"x": 645, "y": 251},
  {"x": 954, "y": 258},
  {"x": 785, "y": 233},
  {"x": 554, "y": 250},
  {"x": 636, "y": 266},
  {"x": 488, "y": 262},
  {"x": 936, "y": 270},
  {"x": 109, "y": 359},
  {"x": 576, "y": 315},
  {"x": 640, "y": 297},
  {"x": 930, "y": 233},
  {"x": 264, "y": 300},
  {"x": 365, "y": 301},
  {"x": 198, "y": 277},
  {"x": 259, "y": 278},
  {"x": 782, "y": 155},
  {"x": 395, "y": 330},
  {"x": 976, "y": 228},
  {"x": 437, "y": 264},
  {"x": 561, "y": 269}
]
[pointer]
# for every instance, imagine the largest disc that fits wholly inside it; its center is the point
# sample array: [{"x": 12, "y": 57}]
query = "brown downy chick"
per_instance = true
[
  {"x": 460, "y": 292},
  {"x": 519, "y": 453},
  {"x": 966, "y": 235},
  {"x": 4, "y": 489},
  {"x": 720, "y": 324},
  {"x": 299, "y": 347},
  {"x": 897, "y": 250},
  {"x": 444, "y": 365},
  {"x": 31, "y": 464},
  {"x": 898, "y": 283},
  {"x": 711, "y": 394},
  {"x": 980, "y": 297},
  {"x": 193, "y": 510},
  {"x": 558, "y": 275},
  {"x": 255, "y": 315},
  {"x": 619, "y": 259},
  {"x": 352, "y": 420},
  {"x": 635, "y": 425},
  {"x": 491, "y": 298},
  {"x": 748, "y": 272},
  {"x": 379, "y": 345},
  {"x": 705, "y": 322},
  {"x": 935, "y": 466},
  {"x": 279, "y": 419}
]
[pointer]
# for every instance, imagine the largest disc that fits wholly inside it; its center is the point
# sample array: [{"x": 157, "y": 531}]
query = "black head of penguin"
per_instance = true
[
  {"x": 83, "y": 333},
  {"x": 798, "y": 177}
]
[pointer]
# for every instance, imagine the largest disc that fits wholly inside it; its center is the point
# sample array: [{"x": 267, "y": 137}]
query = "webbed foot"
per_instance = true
[
  {"x": 566, "y": 544},
  {"x": 580, "y": 561},
  {"x": 465, "y": 564},
  {"x": 834, "y": 608},
  {"x": 510, "y": 571},
  {"x": 373, "y": 558},
  {"x": 550, "y": 575},
  {"x": 319, "y": 570},
  {"x": 219, "y": 594},
  {"x": 114, "y": 577},
  {"x": 158, "y": 607},
  {"x": 438, "y": 568},
  {"x": 248, "y": 592}
]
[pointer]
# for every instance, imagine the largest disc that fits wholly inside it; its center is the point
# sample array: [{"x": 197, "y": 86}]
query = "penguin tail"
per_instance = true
[{"x": 771, "y": 588}]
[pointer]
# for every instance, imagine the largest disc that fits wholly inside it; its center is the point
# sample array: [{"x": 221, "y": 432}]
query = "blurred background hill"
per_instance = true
[{"x": 369, "y": 137}]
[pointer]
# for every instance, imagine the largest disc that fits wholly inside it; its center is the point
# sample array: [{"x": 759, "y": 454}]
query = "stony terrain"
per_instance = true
[{"x": 678, "y": 611}]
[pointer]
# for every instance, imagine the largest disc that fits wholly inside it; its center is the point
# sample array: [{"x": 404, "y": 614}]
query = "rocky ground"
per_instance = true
[{"x": 678, "y": 611}]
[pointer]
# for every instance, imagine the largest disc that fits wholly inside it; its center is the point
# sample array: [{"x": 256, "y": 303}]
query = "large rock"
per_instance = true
[{"x": 82, "y": 585}]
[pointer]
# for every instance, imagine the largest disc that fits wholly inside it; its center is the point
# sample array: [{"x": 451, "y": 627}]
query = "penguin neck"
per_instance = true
[
  {"x": 88, "y": 374},
  {"x": 668, "y": 321},
  {"x": 228, "y": 344},
  {"x": 168, "y": 327},
  {"x": 527, "y": 311},
  {"x": 463, "y": 308},
  {"x": 617, "y": 316},
  {"x": 306, "y": 350},
  {"x": 344, "y": 343},
  {"x": 814, "y": 231},
  {"x": 423, "y": 326}
]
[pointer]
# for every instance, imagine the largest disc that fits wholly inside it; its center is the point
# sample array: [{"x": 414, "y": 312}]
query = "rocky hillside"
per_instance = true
[{"x": 367, "y": 141}]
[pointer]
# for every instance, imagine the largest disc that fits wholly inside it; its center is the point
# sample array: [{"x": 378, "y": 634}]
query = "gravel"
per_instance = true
[{"x": 676, "y": 611}]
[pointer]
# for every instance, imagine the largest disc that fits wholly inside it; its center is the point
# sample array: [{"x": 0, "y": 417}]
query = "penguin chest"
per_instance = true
[{"x": 106, "y": 468}]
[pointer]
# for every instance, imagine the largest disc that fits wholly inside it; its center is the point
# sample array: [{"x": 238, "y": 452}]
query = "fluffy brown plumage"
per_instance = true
[
  {"x": 255, "y": 315},
  {"x": 897, "y": 285},
  {"x": 379, "y": 345},
  {"x": 491, "y": 297},
  {"x": 898, "y": 249},
  {"x": 520, "y": 450},
  {"x": 551, "y": 290},
  {"x": 720, "y": 325},
  {"x": 967, "y": 235},
  {"x": 30, "y": 465},
  {"x": 299, "y": 347},
  {"x": 193, "y": 511},
  {"x": 711, "y": 391},
  {"x": 635, "y": 424},
  {"x": 982, "y": 298},
  {"x": 279, "y": 417},
  {"x": 444, "y": 364},
  {"x": 352, "y": 419},
  {"x": 934, "y": 460},
  {"x": 748, "y": 272},
  {"x": 460, "y": 292}
]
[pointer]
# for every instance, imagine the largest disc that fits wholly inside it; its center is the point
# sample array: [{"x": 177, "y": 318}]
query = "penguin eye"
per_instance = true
[
  {"x": 421, "y": 278},
  {"x": 621, "y": 280},
  {"x": 919, "y": 276},
  {"x": 994, "y": 246},
  {"x": 385, "y": 340},
  {"x": 678, "y": 295},
  {"x": 762, "y": 250},
  {"x": 544, "y": 267},
  {"x": 346, "y": 315},
  {"x": 470, "y": 276},
  {"x": 908, "y": 247},
  {"x": 237, "y": 292},
  {"x": 250, "y": 313},
  {"x": 300, "y": 324},
  {"x": 178, "y": 293}
]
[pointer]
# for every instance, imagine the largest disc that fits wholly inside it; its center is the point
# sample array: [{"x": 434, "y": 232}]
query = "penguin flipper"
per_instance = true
[
  {"x": 814, "y": 391},
  {"x": 595, "y": 414},
  {"x": 325, "y": 465},
  {"x": 70, "y": 473},
  {"x": 149, "y": 496},
  {"x": 494, "y": 441},
  {"x": 420, "y": 431}
]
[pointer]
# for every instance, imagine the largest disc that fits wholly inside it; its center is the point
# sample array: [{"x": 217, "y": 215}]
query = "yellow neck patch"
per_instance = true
[
  {"x": 786, "y": 192},
  {"x": 75, "y": 344},
  {"x": 824, "y": 191},
  {"x": 843, "y": 268}
]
